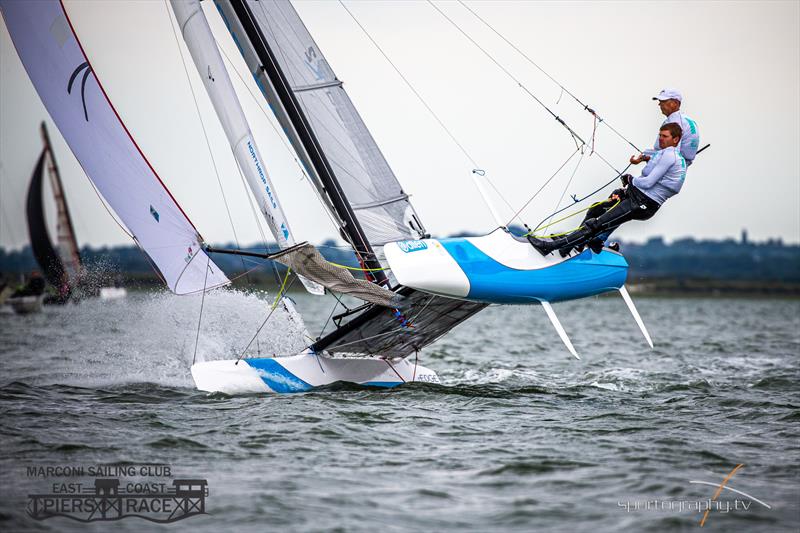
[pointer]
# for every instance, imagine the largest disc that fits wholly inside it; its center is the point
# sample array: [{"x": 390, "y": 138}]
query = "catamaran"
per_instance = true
[{"x": 415, "y": 288}]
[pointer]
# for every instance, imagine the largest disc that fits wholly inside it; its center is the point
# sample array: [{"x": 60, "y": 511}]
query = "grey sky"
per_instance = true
[{"x": 738, "y": 65}]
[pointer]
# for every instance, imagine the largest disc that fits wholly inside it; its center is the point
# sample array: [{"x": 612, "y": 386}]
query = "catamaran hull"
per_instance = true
[
  {"x": 501, "y": 269},
  {"x": 304, "y": 372}
]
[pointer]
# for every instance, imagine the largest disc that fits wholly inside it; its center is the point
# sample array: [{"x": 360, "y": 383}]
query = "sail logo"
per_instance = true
[
  {"x": 311, "y": 56},
  {"x": 82, "y": 66},
  {"x": 261, "y": 175},
  {"x": 154, "y": 213},
  {"x": 285, "y": 231},
  {"x": 412, "y": 246}
]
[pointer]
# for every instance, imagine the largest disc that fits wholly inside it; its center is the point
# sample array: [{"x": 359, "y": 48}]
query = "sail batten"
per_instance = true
[{"x": 52, "y": 55}]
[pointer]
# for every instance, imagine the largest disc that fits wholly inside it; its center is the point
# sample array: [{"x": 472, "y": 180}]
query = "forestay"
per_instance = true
[
  {"x": 371, "y": 188},
  {"x": 68, "y": 86}
]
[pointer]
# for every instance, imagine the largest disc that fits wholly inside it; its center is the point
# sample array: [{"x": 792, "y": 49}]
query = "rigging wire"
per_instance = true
[
  {"x": 566, "y": 187},
  {"x": 577, "y": 138},
  {"x": 586, "y": 107},
  {"x": 572, "y": 132},
  {"x": 521, "y": 209},
  {"x": 269, "y": 315},
  {"x": 411, "y": 87},
  {"x": 476, "y": 166},
  {"x": 202, "y": 303},
  {"x": 335, "y": 306}
]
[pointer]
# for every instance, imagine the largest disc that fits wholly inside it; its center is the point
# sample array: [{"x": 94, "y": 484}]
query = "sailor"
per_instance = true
[
  {"x": 669, "y": 101},
  {"x": 639, "y": 199}
]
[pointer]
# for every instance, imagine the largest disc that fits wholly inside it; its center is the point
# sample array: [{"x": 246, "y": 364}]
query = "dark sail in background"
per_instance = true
[
  {"x": 61, "y": 263},
  {"x": 43, "y": 250}
]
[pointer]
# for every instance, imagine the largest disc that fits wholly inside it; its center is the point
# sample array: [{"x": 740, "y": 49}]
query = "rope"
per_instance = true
[
  {"x": 200, "y": 318},
  {"x": 530, "y": 233},
  {"x": 337, "y": 265},
  {"x": 269, "y": 315},
  {"x": 280, "y": 291},
  {"x": 578, "y": 200},
  {"x": 563, "y": 89}
]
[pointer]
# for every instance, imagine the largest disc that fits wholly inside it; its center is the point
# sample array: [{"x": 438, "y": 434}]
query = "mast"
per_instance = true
[
  {"x": 65, "y": 231},
  {"x": 351, "y": 228},
  {"x": 200, "y": 41}
]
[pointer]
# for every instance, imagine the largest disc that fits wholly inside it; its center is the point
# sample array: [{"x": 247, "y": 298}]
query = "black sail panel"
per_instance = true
[
  {"x": 46, "y": 255},
  {"x": 398, "y": 333}
]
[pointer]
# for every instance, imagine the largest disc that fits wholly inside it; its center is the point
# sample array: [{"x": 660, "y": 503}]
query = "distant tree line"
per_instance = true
[{"x": 770, "y": 261}]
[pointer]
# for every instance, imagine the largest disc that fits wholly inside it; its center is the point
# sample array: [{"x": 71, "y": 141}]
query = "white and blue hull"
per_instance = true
[
  {"x": 501, "y": 269},
  {"x": 305, "y": 372}
]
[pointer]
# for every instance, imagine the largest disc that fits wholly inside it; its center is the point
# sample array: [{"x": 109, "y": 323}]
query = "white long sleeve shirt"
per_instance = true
[
  {"x": 690, "y": 136},
  {"x": 663, "y": 175}
]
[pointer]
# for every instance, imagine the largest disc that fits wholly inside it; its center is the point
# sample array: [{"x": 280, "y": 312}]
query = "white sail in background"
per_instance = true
[
  {"x": 63, "y": 76},
  {"x": 200, "y": 41}
]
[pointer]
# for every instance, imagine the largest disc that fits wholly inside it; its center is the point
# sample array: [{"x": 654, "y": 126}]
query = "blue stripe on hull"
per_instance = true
[
  {"x": 277, "y": 377},
  {"x": 280, "y": 380},
  {"x": 584, "y": 275}
]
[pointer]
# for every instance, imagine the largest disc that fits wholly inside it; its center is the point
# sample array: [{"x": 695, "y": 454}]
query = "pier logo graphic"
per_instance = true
[{"x": 117, "y": 491}]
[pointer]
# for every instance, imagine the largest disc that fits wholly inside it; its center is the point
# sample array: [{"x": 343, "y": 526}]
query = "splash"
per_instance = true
[{"x": 146, "y": 338}]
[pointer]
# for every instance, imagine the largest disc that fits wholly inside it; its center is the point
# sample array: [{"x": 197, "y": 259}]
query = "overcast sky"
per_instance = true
[{"x": 737, "y": 64}]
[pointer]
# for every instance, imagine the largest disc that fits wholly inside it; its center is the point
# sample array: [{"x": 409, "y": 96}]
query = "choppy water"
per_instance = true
[{"x": 520, "y": 436}]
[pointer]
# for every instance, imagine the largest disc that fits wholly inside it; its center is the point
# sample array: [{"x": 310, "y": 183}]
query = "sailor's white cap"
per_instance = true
[{"x": 669, "y": 94}]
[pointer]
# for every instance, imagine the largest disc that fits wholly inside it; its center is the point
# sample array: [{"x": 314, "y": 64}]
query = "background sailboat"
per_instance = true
[{"x": 60, "y": 263}]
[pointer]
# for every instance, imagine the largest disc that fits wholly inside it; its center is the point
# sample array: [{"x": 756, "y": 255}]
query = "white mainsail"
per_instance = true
[
  {"x": 63, "y": 76},
  {"x": 200, "y": 41}
]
